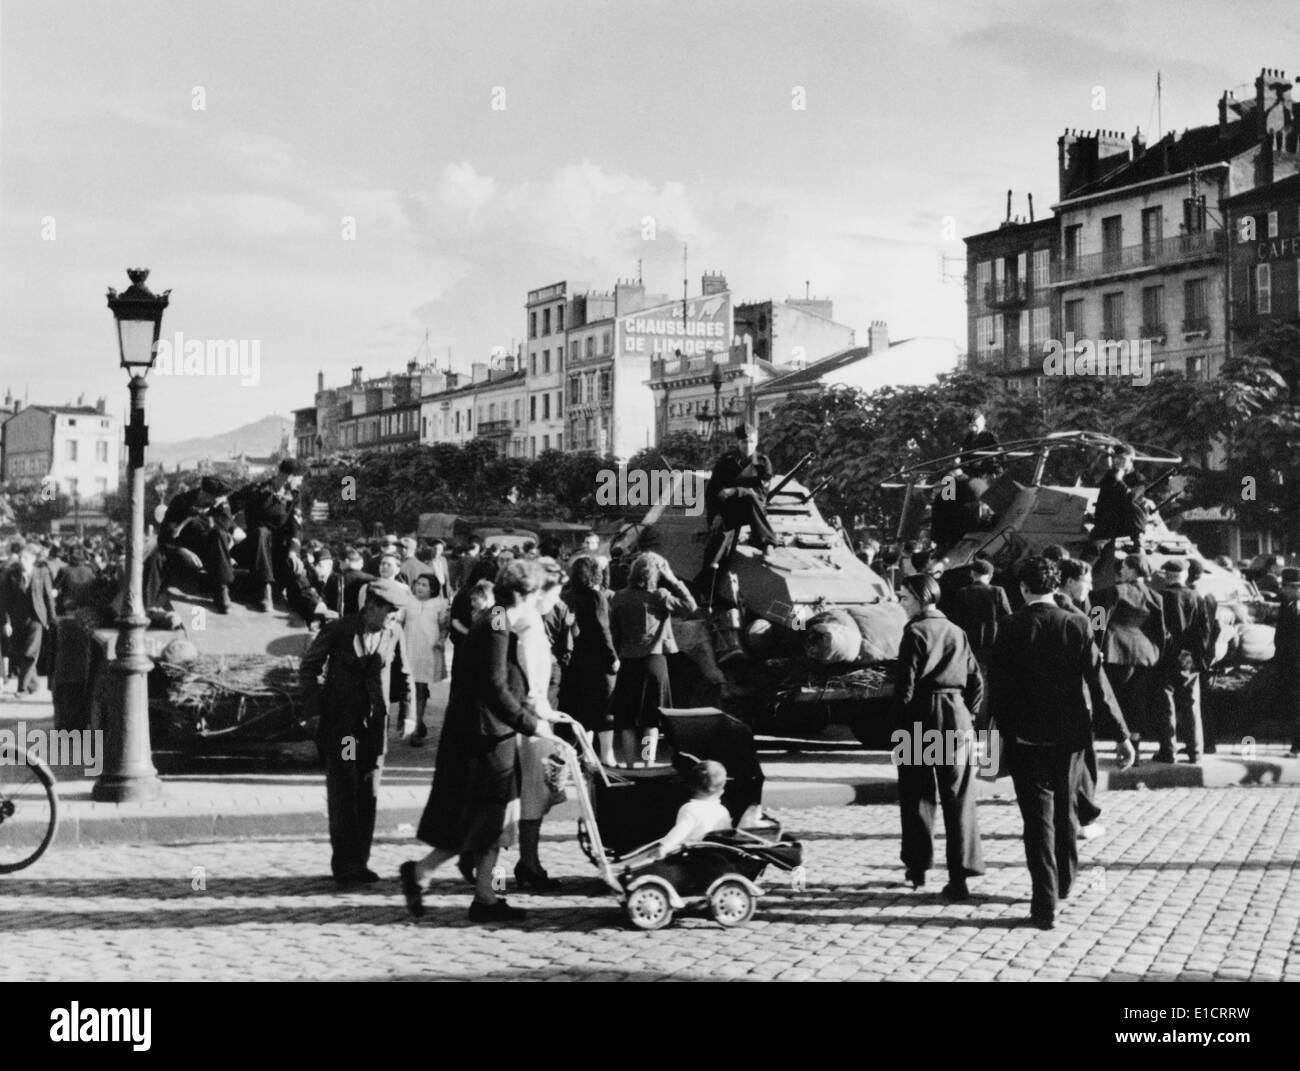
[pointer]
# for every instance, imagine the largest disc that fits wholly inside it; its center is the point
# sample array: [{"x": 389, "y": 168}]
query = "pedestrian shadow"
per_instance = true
[{"x": 945, "y": 922}]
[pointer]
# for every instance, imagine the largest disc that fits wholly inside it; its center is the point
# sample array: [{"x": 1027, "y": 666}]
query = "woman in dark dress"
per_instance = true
[
  {"x": 588, "y": 679},
  {"x": 640, "y": 624},
  {"x": 473, "y": 804}
]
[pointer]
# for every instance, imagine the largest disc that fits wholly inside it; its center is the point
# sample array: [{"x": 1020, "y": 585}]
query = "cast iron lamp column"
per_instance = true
[{"x": 129, "y": 772}]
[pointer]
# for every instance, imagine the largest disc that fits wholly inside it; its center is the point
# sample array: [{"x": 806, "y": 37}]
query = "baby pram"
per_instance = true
[{"x": 623, "y": 813}]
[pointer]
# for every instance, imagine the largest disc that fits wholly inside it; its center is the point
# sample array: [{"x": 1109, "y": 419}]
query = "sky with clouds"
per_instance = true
[{"x": 383, "y": 112}]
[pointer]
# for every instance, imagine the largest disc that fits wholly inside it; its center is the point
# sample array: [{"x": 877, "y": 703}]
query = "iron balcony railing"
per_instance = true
[
  {"x": 1008, "y": 292},
  {"x": 1196, "y": 323},
  {"x": 1181, "y": 248}
]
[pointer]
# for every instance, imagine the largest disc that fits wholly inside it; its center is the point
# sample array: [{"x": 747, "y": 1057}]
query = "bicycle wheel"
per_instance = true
[{"x": 29, "y": 813}]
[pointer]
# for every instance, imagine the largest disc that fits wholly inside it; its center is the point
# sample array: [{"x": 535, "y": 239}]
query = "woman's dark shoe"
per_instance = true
[
  {"x": 411, "y": 889},
  {"x": 528, "y": 878},
  {"x": 916, "y": 878},
  {"x": 465, "y": 864},
  {"x": 955, "y": 891},
  {"x": 496, "y": 912}
]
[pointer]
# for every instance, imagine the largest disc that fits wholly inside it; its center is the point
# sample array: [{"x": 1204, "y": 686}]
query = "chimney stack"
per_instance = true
[
  {"x": 1223, "y": 113},
  {"x": 878, "y": 336},
  {"x": 1008, "y": 206},
  {"x": 478, "y": 372},
  {"x": 320, "y": 382},
  {"x": 1140, "y": 145},
  {"x": 1031, "y": 208},
  {"x": 101, "y": 404}
]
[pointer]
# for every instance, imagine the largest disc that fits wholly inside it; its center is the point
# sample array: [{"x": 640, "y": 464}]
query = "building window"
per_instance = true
[
  {"x": 1194, "y": 214},
  {"x": 532, "y": 364},
  {"x": 1153, "y": 310},
  {"x": 1196, "y": 316},
  {"x": 1157, "y": 365},
  {"x": 1152, "y": 231},
  {"x": 983, "y": 276},
  {"x": 546, "y": 443},
  {"x": 532, "y": 325},
  {"x": 559, "y": 440},
  {"x": 72, "y": 486},
  {"x": 1112, "y": 240},
  {"x": 546, "y": 361},
  {"x": 492, "y": 411},
  {"x": 72, "y": 449},
  {"x": 546, "y": 406},
  {"x": 1042, "y": 324},
  {"x": 101, "y": 451},
  {"x": 424, "y": 427},
  {"x": 72, "y": 423},
  {"x": 606, "y": 343},
  {"x": 1042, "y": 267},
  {"x": 1072, "y": 235},
  {"x": 1272, "y": 224},
  {"x": 1112, "y": 315},
  {"x": 519, "y": 411},
  {"x": 559, "y": 318},
  {"x": 559, "y": 357},
  {"x": 604, "y": 385},
  {"x": 984, "y": 333},
  {"x": 546, "y": 321},
  {"x": 1195, "y": 367},
  {"x": 575, "y": 390},
  {"x": 532, "y": 446},
  {"x": 1264, "y": 287},
  {"x": 457, "y": 421},
  {"x": 1074, "y": 317},
  {"x": 101, "y": 486},
  {"x": 532, "y": 407},
  {"x": 591, "y": 346}
]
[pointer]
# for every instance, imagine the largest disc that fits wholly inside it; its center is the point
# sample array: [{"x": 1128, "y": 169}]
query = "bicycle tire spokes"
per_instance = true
[{"x": 28, "y": 815}]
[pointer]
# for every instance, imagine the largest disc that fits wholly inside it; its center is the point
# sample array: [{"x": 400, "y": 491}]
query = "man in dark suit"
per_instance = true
[
  {"x": 197, "y": 522},
  {"x": 341, "y": 589},
  {"x": 736, "y": 495},
  {"x": 362, "y": 658},
  {"x": 1133, "y": 642},
  {"x": 1118, "y": 513},
  {"x": 1046, "y": 680},
  {"x": 954, "y": 510},
  {"x": 1186, "y": 654},
  {"x": 27, "y": 615},
  {"x": 1286, "y": 652},
  {"x": 978, "y": 438}
]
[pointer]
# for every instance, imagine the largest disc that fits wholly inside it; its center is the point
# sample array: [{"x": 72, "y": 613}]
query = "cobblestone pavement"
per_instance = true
[{"x": 1186, "y": 884}]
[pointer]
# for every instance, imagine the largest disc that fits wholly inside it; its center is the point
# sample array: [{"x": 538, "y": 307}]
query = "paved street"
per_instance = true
[{"x": 1187, "y": 884}]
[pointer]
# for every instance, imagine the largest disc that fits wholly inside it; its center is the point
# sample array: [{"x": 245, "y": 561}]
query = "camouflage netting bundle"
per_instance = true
[{"x": 254, "y": 696}]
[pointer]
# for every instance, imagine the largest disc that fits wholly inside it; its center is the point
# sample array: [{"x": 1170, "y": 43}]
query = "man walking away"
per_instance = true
[
  {"x": 1046, "y": 679},
  {"x": 1185, "y": 655},
  {"x": 938, "y": 686}
]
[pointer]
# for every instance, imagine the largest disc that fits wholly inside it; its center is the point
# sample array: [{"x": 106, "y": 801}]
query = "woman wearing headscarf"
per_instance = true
[{"x": 640, "y": 624}]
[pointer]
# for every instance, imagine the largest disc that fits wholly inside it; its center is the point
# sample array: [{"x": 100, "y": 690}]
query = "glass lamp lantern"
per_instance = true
[{"x": 138, "y": 313}]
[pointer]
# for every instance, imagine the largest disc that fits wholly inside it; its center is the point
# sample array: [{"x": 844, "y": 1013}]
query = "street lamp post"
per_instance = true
[
  {"x": 717, "y": 377},
  {"x": 129, "y": 772}
]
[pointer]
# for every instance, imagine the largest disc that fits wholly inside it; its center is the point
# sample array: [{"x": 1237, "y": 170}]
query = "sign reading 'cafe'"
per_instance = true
[{"x": 1278, "y": 248}]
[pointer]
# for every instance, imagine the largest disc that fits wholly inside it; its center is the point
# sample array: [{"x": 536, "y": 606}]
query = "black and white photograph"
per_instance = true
[{"x": 606, "y": 492}]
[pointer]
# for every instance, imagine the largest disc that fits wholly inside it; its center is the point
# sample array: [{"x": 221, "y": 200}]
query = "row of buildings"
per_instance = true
[
  {"x": 614, "y": 371},
  {"x": 71, "y": 450},
  {"x": 1190, "y": 244}
]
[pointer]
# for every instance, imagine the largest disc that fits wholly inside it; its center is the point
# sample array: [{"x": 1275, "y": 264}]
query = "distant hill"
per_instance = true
[{"x": 258, "y": 439}]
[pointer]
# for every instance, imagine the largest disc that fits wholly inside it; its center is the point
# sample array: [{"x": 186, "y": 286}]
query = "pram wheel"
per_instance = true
[
  {"x": 648, "y": 908},
  {"x": 732, "y": 904}
]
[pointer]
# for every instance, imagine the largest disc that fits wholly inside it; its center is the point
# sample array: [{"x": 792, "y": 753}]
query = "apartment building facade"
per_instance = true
[{"x": 73, "y": 449}]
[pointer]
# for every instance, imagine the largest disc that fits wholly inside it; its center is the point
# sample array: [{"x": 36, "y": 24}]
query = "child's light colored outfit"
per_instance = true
[
  {"x": 695, "y": 821},
  {"x": 424, "y": 622}
]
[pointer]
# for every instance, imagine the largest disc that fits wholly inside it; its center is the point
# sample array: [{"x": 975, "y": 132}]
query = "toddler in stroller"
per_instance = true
[{"x": 702, "y": 861}]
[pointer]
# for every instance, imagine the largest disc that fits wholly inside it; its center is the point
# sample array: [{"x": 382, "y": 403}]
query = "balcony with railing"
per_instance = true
[
  {"x": 495, "y": 429},
  {"x": 1196, "y": 324},
  {"x": 1007, "y": 293},
  {"x": 1001, "y": 361},
  {"x": 1145, "y": 256}
]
